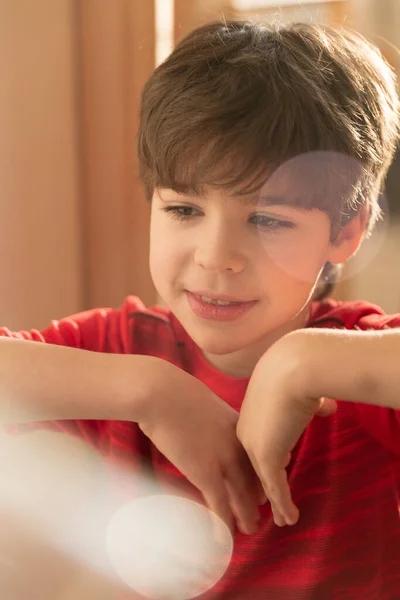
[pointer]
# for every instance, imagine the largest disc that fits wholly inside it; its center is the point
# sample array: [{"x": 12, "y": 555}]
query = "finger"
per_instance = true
[
  {"x": 253, "y": 479},
  {"x": 261, "y": 495},
  {"x": 217, "y": 499},
  {"x": 244, "y": 504},
  {"x": 245, "y": 492},
  {"x": 277, "y": 489},
  {"x": 278, "y": 517},
  {"x": 327, "y": 407}
]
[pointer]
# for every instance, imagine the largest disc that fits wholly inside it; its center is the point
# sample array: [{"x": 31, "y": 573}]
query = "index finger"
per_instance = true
[
  {"x": 244, "y": 503},
  {"x": 217, "y": 499},
  {"x": 277, "y": 489}
]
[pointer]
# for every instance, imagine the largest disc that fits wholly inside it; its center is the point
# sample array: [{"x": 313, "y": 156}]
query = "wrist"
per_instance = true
[
  {"x": 329, "y": 363},
  {"x": 285, "y": 363},
  {"x": 138, "y": 386},
  {"x": 299, "y": 355}
]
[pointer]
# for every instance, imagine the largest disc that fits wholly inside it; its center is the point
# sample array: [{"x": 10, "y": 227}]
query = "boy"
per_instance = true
[{"x": 262, "y": 150}]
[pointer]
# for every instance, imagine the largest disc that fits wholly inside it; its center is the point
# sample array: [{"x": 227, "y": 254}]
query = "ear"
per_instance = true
[{"x": 348, "y": 240}]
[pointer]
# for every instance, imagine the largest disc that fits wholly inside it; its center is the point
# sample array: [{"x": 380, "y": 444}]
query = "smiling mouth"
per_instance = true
[
  {"x": 219, "y": 300},
  {"x": 223, "y": 308}
]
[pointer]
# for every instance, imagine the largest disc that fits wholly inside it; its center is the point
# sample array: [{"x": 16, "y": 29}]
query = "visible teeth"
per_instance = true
[{"x": 211, "y": 301}]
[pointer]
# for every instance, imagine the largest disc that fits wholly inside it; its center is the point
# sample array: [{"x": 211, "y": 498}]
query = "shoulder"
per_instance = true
[
  {"x": 358, "y": 315},
  {"x": 132, "y": 328},
  {"x": 151, "y": 330}
]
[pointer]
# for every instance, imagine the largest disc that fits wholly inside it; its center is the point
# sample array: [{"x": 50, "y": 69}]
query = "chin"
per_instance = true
[{"x": 216, "y": 344}]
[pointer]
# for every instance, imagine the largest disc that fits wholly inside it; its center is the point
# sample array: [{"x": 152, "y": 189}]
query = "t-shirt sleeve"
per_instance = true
[
  {"x": 100, "y": 330},
  {"x": 382, "y": 423}
]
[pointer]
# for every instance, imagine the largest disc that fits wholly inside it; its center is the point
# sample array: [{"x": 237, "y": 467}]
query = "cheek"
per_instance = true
[
  {"x": 299, "y": 259},
  {"x": 166, "y": 257},
  {"x": 158, "y": 260}
]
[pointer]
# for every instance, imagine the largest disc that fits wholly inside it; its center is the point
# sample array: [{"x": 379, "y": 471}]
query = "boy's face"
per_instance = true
[{"x": 265, "y": 259}]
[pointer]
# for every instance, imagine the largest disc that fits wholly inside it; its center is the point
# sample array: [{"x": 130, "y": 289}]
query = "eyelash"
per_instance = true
[
  {"x": 271, "y": 225},
  {"x": 180, "y": 216}
]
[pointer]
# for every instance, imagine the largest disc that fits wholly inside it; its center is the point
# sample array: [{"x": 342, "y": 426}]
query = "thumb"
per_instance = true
[{"x": 327, "y": 407}]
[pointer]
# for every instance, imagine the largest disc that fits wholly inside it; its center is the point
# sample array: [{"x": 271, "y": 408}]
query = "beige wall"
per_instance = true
[
  {"x": 379, "y": 280},
  {"x": 380, "y": 22},
  {"x": 73, "y": 219},
  {"x": 328, "y": 12},
  {"x": 117, "y": 44},
  {"x": 40, "y": 272},
  {"x": 192, "y": 13}
]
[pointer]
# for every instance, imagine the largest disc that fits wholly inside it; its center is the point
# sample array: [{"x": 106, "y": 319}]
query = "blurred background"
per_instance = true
[{"x": 73, "y": 218}]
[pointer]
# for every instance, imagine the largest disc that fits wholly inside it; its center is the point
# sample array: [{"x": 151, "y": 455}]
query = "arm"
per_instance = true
[
  {"x": 180, "y": 415},
  {"x": 350, "y": 365},
  {"x": 41, "y": 382},
  {"x": 295, "y": 380}
]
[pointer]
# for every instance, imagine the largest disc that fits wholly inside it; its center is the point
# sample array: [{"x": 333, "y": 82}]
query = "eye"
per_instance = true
[
  {"x": 270, "y": 224},
  {"x": 181, "y": 213}
]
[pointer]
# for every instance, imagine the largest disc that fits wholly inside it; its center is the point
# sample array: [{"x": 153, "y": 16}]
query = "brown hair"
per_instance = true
[{"x": 237, "y": 100}]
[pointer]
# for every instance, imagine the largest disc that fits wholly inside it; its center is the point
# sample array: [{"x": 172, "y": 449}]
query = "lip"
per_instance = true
[
  {"x": 213, "y": 312},
  {"x": 221, "y": 297}
]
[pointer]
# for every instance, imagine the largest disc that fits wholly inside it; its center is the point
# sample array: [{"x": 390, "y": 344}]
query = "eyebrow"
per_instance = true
[{"x": 293, "y": 202}]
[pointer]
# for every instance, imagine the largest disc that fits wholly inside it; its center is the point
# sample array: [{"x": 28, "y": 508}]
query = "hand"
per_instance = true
[
  {"x": 274, "y": 414},
  {"x": 196, "y": 431}
]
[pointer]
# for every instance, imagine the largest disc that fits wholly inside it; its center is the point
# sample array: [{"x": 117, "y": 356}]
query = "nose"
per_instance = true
[{"x": 220, "y": 252}]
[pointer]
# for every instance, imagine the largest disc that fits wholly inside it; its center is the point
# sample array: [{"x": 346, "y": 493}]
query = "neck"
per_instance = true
[{"x": 242, "y": 362}]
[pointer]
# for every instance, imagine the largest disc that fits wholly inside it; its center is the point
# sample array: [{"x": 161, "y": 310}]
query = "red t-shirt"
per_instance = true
[{"x": 344, "y": 474}]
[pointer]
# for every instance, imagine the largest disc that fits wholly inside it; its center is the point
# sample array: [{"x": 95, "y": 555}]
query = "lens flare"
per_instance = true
[
  {"x": 337, "y": 185},
  {"x": 168, "y": 547},
  {"x": 57, "y": 494}
]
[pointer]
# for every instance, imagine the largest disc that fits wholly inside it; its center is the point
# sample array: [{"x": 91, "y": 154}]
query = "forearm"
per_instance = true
[
  {"x": 348, "y": 365},
  {"x": 47, "y": 382}
]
